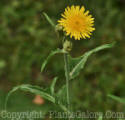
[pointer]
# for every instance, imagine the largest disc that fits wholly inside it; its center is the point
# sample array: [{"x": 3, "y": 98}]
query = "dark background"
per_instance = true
[{"x": 26, "y": 38}]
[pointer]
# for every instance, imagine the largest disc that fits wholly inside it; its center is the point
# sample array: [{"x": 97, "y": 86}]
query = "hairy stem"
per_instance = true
[{"x": 67, "y": 78}]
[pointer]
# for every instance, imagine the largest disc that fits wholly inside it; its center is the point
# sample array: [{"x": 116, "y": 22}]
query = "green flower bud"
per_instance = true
[
  {"x": 58, "y": 27},
  {"x": 67, "y": 46}
]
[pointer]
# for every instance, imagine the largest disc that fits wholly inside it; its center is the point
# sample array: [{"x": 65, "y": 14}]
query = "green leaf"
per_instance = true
[
  {"x": 33, "y": 89},
  {"x": 118, "y": 99},
  {"x": 38, "y": 91},
  {"x": 61, "y": 95},
  {"x": 49, "y": 20},
  {"x": 76, "y": 64},
  {"x": 52, "y": 87},
  {"x": 50, "y": 55}
]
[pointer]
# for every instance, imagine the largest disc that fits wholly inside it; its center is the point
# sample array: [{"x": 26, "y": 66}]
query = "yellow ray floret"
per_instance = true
[{"x": 77, "y": 23}]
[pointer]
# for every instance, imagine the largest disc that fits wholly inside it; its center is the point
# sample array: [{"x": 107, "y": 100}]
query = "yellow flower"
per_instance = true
[{"x": 77, "y": 23}]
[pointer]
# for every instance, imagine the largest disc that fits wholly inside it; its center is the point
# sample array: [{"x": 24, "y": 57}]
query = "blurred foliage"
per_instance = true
[{"x": 26, "y": 39}]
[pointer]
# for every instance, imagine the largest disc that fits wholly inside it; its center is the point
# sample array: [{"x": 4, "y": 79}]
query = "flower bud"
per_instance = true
[
  {"x": 67, "y": 46},
  {"x": 58, "y": 27}
]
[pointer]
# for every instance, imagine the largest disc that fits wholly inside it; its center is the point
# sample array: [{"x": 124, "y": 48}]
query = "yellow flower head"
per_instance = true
[{"x": 77, "y": 23}]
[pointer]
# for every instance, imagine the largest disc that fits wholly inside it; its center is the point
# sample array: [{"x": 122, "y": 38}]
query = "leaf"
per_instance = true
[
  {"x": 78, "y": 63},
  {"x": 50, "y": 55},
  {"x": 121, "y": 100},
  {"x": 33, "y": 89},
  {"x": 49, "y": 20},
  {"x": 52, "y": 87},
  {"x": 61, "y": 95},
  {"x": 38, "y": 91}
]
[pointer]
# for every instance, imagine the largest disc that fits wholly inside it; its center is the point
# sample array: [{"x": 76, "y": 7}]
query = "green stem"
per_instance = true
[{"x": 67, "y": 78}]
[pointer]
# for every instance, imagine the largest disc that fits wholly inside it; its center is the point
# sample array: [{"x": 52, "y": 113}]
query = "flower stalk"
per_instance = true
[
  {"x": 67, "y": 46},
  {"x": 67, "y": 78}
]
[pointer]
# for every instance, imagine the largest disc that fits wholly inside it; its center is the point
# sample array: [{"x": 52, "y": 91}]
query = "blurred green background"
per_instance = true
[{"x": 26, "y": 38}]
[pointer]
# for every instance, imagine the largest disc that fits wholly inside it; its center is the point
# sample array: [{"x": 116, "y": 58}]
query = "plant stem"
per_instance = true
[{"x": 67, "y": 79}]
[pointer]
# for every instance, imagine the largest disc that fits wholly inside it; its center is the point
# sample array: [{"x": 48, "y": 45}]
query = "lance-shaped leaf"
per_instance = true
[
  {"x": 61, "y": 95},
  {"x": 50, "y": 55},
  {"x": 52, "y": 87},
  {"x": 33, "y": 89},
  {"x": 76, "y": 64},
  {"x": 49, "y": 20},
  {"x": 37, "y": 91},
  {"x": 118, "y": 99}
]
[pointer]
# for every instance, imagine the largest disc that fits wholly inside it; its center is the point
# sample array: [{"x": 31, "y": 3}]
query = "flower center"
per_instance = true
[
  {"x": 76, "y": 25},
  {"x": 77, "y": 22}
]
